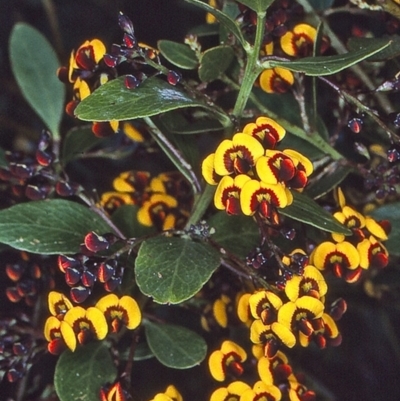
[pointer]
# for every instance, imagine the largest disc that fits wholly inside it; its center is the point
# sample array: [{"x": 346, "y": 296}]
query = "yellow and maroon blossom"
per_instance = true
[
  {"x": 351, "y": 219},
  {"x": 228, "y": 359},
  {"x": 232, "y": 392},
  {"x": 379, "y": 230},
  {"x": 298, "y": 391},
  {"x": 274, "y": 370},
  {"x": 134, "y": 182},
  {"x": 243, "y": 309},
  {"x": 208, "y": 170},
  {"x": 59, "y": 304},
  {"x": 288, "y": 167},
  {"x": 298, "y": 315},
  {"x": 86, "y": 59},
  {"x": 120, "y": 312},
  {"x": 58, "y": 340},
  {"x": 238, "y": 155},
  {"x": 372, "y": 253},
  {"x": 171, "y": 394},
  {"x": 271, "y": 336},
  {"x": 325, "y": 333},
  {"x": 114, "y": 392},
  {"x": 227, "y": 194},
  {"x": 219, "y": 310},
  {"x": 158, "y": 211},
  {"x": 311, "y": 283},
  {"x": 276, "y": 80},
  {"x": 342, "y": 259},
  {"x": 264, "y": 305},
  {"x": 81, "y": 325},
  {"x": 264, "y": 199},
  {"x": 299, "y": 41},
  {"x": 111, "y": 200},
  {"x": 266, "y": 130},
  {"x": 262, "y": 392}
]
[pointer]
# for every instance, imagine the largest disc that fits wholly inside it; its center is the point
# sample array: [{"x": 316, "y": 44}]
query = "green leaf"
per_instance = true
[
  {"x": 214, "y": 62},
  {"x": 113, "y": 101},
  {"x": 172, "y": 270},
  {"x": 49, "y": 226},
  {"x": 327, "y": 183},
  {"x": 237, "y": 234},
  {"x": 175, "y": 346},
  {"x": 34, "y": 64},
  {"x": 80, "y": 375},
  {"x": 390, "y": 212},
  {"x": 125, "y": 218},
  {"x": 328, "y": 65},
  {"x": 257, "y": 5},
  {"x": 223, "y": 19},
  {"x": 321, "y": 5},
  {"x": 178, "y": 54},
  {"x": 307, "y": 211},
  {"x": 77, "y": 142},
  {"x": 392, "y": 51}
]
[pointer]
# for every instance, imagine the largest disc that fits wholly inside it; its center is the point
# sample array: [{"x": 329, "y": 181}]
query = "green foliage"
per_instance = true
[
  {"x": 257, "y": 5},
  {"x": 178, "y": 54},
  {"x": 175, "y": 346},
  {"x": 214, "y": 62},
  {"x": 236, "y": 234},
  {"x": 48, "y": 227},
  {"x": 34, "y": 63},
  {"x": 307, "y": 211},
  {"x": 328, "y": 65},
  {"x": 172, "y": 270},
  {"x": 80, "y": 375},
  {"x": 113, "y": 101},
  {"x": 389, "y": 52}
]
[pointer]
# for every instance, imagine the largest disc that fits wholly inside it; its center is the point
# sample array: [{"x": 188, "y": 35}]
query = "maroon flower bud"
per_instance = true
[
  {"x": 95, "y": 242},
  {"x": 44, "y": 158},
  {"x": 105, "y": 272},
  {"x": 125, "y": 24},
  {"x": 110, "y": 61},
  {"x": 131, "y": 82},
  {"x": 338, "y": 308},
  {"x": 79, "y": 294},
  {"x": 112, "y": 284},
  {"x": 65, "y": 262},
  {"x": 173, "y": 77},
  {"x": 88, "y": 278},
  {"x": 72, "y": 276},
  {"x": 21, "y": 170},
  {"x": 33, "y": 192},
  {"x": 129, "y": 41}
]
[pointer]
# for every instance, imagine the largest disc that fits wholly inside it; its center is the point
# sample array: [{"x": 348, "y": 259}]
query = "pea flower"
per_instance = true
[
  {"x": 120, "y": 311},
  {"x": 262, "y": 391},
  {"x": 264, "y": 305},
  {"x": 227, "y": 359},
  {"x": 299, "y": 41},
  {"x": 227, "y": 194},
  {"x": 171, "y": 394},
  {"x": 266, "y": 130},
  {"x": 276, "y": 80},
  {"x": 232, "y": 392}
]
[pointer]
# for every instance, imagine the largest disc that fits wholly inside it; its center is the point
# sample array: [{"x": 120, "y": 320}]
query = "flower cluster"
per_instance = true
[
  {"x": 275, "y": 376},
  {"x": 348, "y": 257},
  {"x": 252, "y": 176},
  {"x": 70, "y": 325},
  {"x": 164, "y": 201}
]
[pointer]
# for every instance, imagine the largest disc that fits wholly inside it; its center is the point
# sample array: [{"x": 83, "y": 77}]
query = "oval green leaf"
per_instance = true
[
  {"x": 257, "y": 5},
  {"x": 77, "y": 142},
  {"x": 392, "y": 51},
  {"x": 80, "y": 375},
  {"x": 390, "y": 212},
  {"x": 305, "y": 210},
  {"x": 172, "y": 270},
  {"x": 175, "y": 346},
  {"x": 214, "y": 62},
  {"x": 328, "y": 65},
  {"x": 237, "y": 234},
  {"x": 34, "y": 64},
  {"x": 327, "y": 183},
  {"x": 229, "y": 23},
  {"x": 49, "y": 226},
  {"x": 178, "y": 54},
  {"x": 113, "y": 101}
]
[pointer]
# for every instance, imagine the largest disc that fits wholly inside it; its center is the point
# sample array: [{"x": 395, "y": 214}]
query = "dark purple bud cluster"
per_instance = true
[
  {"x": 19, "y": 349},
  {"x": 30, "y": 274},
  {"x": 134, "y": 54},
  {"x": 271, "y": 270},
  {"x": 35, "y": 177},
  {"x": 84, "y": 269},
  {"x": 385, "y": 177},
  {"x": 280, "y": 15}
]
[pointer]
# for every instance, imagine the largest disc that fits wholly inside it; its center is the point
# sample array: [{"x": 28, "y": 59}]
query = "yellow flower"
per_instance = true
[
  {"x": 232, "y": 392},
  {"x": 228, "y": 358},
  {"x": 170, "y": 394},
  {"x": 120, "y": 311},
  {"x": 299, "y": 41}
]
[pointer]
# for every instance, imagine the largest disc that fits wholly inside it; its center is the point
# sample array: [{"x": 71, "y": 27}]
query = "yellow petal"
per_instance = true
[
  {"x": 283, "y": 334},
  {"x": 133, "y": 311},
  {"x": 52, "y": 325},
  {"x": 68, "y": 335},
  {"x": 208, "y": 170},
  {"x": 216, "y": 366},
  {"x": 99, "y": 322}
]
